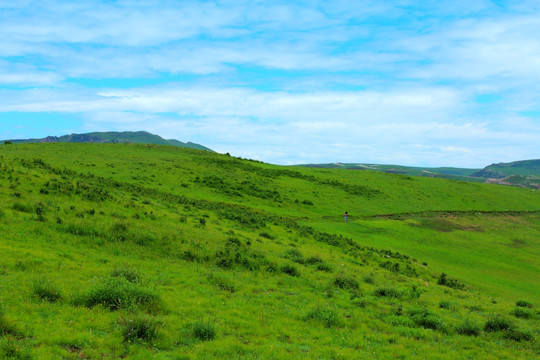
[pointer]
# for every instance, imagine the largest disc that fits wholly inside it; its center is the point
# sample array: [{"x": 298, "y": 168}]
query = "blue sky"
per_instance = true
[{"x": 427, "y": 83}]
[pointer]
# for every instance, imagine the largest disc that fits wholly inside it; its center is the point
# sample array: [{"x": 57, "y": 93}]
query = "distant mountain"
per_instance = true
[
  {"x": 524, "y": 173},
  {"x": 139, "y": 137},
  {"x": 501, "y": 170}
]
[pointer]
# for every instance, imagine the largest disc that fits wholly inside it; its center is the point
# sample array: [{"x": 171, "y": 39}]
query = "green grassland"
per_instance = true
[
  {"x": 524, "y": 173},
  {"x": 132, "y": 251}
]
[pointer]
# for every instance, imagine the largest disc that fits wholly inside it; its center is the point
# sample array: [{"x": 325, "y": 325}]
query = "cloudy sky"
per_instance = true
[{"x": 428, "y": 83}]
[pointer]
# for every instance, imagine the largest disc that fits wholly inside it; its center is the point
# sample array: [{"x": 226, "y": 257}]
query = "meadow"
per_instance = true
[{"x": 130, "y": 251}]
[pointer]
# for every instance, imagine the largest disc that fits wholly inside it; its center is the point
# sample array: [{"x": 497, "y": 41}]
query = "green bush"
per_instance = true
[
  {"x": 452, "y": 283},
  {"x": 469, "y": 328},
  {"x": 222, "y": 282},
  {"x": 445, "y": 304},
  {"x": 426, "y": 319},
  {"x": 313, "y": 260},
  {"x": 290, "y": 270},
  {"x": 498, "y": 323},
  {"x": 46, "y": 290},
  {"x": 369, "y": 279},
  {"x": 9, "y": 350},
  {"x": 129, "y": 274},
  {"x": 518, "y": 335},
  {"x": 524, "y": 304},
  {"x": 140, "y": 329},
  {"x": 204, "y": 331},
  {"x": 346, "y": 282},
  {"x": 25, "y": 208},
  {"x": 6, "y": 328},
  {"x": 264, "y": 234},
  {"x": 117, "y": 293},
  {"x": 324, "y": 267},
  {"x": 325, "y": 315},
  {"x": 523, "y": 313},
  {"x": 295, "y": 255},
  {"x": 388, "y": 292}
]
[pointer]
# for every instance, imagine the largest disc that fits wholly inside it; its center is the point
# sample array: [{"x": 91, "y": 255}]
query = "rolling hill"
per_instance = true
[
  {"x": 524, "y": 173},
  {"x": 138, "y": 137},
  {"x": 144, "y": 251}
]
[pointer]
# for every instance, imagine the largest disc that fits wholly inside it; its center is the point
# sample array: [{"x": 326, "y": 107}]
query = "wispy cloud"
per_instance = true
[{"x": 444, "y": 83}]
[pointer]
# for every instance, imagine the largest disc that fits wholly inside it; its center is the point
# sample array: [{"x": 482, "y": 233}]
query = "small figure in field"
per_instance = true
[{"x": 346, "y": 216}]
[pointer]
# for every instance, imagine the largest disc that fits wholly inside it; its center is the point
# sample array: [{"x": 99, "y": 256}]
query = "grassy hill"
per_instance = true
[
  {"x": 519, "y": 173},
  {"x": 137, "y": 137},
  {"x": 135, "y": 251}
]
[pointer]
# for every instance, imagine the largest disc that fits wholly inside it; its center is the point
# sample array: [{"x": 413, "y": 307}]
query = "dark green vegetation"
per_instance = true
[
  {"x": 518, "y": 173},
  {"x": 137, "y": 137},
  {"x": 143, "y": 251}
]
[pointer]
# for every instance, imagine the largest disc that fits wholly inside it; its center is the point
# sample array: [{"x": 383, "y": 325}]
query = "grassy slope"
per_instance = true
[
  {"x": 524, "y": 168},
  {"x": 168, "y": 215}
]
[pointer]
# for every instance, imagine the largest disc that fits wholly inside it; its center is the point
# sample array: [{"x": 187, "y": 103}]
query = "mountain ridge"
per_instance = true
[
  {"x": 138, "y": 137},
  {"x": 522, "y": 173}
]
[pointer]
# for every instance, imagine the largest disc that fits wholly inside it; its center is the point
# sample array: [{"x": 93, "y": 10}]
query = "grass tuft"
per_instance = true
[
  {"x": 325, "y": 315},
  {"x": 290, "y": 270},
  {"x": 204, "y": 330},
  {"x": 140, "y": 329},
  {"x": 524, "y": 304},
  {"x": 118, "y": 293},
  {"x": 346, "y": 282},
  {"x": 388, "y": 292},
  {"x": 523, "y": 313},
  {"x": 518, "y": 335},
  {"x": 46, "y": 290},
  {"x": 469, "y": 328},
  {"x": 129, "y": 274},
  {"x": 498, "y": 323}
]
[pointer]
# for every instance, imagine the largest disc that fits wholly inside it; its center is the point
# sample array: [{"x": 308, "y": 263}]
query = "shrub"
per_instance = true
[
  {"x": 307, "y": 202},
  {"x": 523, "y": 303},
  {"x": 522, "y": 313},
  {"x": 444, "y": 304},
  {"x": 7, "y": 142},
  {"x": 469, "y": 328},
  {"x": 119, "y": 231},
  {"x": 295, "y": 255},
  {"x": 237, "y": 253},
  {"x": 452, "y": 283},
  {"x": 25, "y": 208},
  {"x": 498, "y": 323},
  {"x": 290, "y": 270},
  {"x": 324, "y": 267},
  {"x": 129, "y": 274},
  {"x": 140, "y": 329},
  {"x": 46, "y": 290},
  {"x": 5, "y": 327},
  {"x": 8, "y": 350},
  {"x": 426, "y": 319},
  {"x": 116, "y": 293},
  {"x": 346, "y": 282},
  {"x": 518, "y": 335},
  {"x": 312, "y": 260},
  {"x": 387, "y": 292},
  {"x": 222, "y": 282},
  {"x": 368, "y": 279},
  {"x": 204, "y": 331},
  {"x": 325, "y": 315},
  {"x": 264, "y": 234}
]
